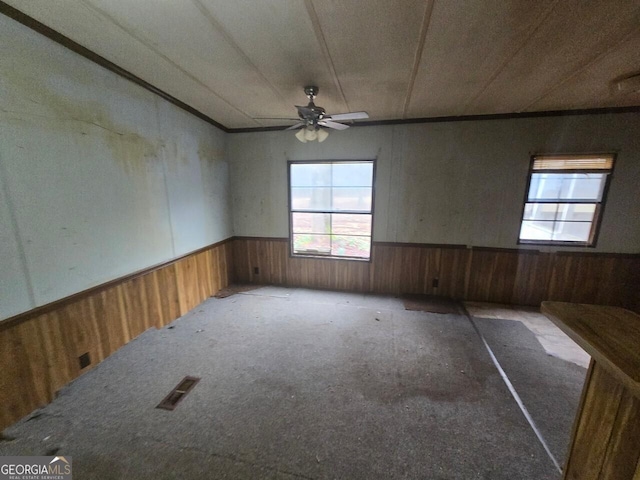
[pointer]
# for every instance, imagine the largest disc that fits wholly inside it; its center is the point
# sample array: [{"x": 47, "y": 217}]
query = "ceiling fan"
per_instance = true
[{"x": 312, "y": 117}]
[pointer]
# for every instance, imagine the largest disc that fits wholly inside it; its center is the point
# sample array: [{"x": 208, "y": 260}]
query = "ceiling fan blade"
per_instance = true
[
  {"x": 304, "y": 110},
  {"x": 297, "y": 125},
  {"x": 347, "y": 116},
  {"x": 335, "y": 125},
  {"x": 275, "y": 118}
]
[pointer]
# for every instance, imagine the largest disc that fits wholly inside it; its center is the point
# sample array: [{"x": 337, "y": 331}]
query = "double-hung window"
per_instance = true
[
  {"x": 565, "y": 198},
  {"x": 330, "y": 207}
]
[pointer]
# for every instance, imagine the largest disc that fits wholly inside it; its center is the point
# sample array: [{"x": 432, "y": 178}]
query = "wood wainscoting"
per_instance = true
[
  {"x": 510, "y": 276},
  {"x": 40, "y": 349}
]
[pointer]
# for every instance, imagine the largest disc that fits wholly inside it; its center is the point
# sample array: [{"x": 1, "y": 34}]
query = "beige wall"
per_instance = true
[
  {"x": 453, "y": 182},
  {"x": 99, "y": 178}
]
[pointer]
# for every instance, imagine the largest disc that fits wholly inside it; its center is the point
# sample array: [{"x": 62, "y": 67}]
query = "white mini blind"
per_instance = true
[{"x": 573, "y": 162}]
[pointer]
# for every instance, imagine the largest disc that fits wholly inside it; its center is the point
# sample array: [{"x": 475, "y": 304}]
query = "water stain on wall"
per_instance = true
[
  {"x": 132, "y": 151},
  {"x": 175, "y": 155},
  {"x": 73, "y": 117},
  {"x": 208, "y": 153}
]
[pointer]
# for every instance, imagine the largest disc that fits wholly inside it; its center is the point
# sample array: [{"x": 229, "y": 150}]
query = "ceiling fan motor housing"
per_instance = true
[{"x": 311, "y": 114}]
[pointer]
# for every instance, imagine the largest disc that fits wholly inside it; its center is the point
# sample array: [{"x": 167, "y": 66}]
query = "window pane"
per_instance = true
[
  {"x": 353, "y": 174},
  {"x": 540, "y": 211},
  {"x": 536, "y": 230},
  {"x": 352, "y": 198},
  {"x": 312, "y": 244},
  {"x": 564, "y": 197},
  {"x": 560, "y": 211},
  {"x": 347, "y": 246},
  {"x": 583, "y": 186},
  {"x": 572, "y": 231},
  {"x": 544, "y": 186},
  {"x": 577, "y": 212},
  {"x": 310, "y": 174},
  {"x": 318, "y": 198},
  {"x": 320, "y": 192},
  {"x": 566, "y": 186},
  {"x": 311, "y": 223},
  {"x": 351, "y": 224}
]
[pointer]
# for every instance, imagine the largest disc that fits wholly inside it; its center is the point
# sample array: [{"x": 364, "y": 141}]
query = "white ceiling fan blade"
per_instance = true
[
  {"x": 330, "y": 124},
  {"x": 297, "y": 125},
  {"x": 348, "y": 116},
  {"x": 275, "y": 118}
]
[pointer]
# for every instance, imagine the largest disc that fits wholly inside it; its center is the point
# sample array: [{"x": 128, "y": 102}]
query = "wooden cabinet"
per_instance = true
[{"x": 606, "y": 435}]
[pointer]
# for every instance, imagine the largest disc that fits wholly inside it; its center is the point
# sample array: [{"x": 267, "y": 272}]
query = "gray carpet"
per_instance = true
[
  {"x": 432, "y": 304},
  {"x": 294, "y": 384},
  {"x": 549, "y": 387}
]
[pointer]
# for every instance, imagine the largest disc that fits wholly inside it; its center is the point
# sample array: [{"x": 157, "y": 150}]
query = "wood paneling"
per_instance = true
[
  {"x": 492, "y": 275},
  {"x": 521, "y": 277},
  {"x": 532, "y": 278},
  {"x": 606, "y": 436},
  {"x": 39, "y": 350},
  {"x": 623, "y": 450},
  {"x": 595, "y": 425}
]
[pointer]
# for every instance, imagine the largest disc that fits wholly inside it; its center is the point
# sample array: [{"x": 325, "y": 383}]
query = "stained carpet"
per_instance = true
[{"x": 294, "y": 384}]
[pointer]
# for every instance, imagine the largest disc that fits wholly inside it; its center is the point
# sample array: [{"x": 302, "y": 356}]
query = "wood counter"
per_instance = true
[{"x": 606, "y": 435}]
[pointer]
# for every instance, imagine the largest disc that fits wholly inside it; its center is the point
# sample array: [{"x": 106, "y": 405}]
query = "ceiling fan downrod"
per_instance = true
[{"x": 311, "y": 92}]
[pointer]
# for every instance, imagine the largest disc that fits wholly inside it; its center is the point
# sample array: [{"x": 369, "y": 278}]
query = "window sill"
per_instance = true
[
  {"x": 557, "y": 243},
  {"x": 330, "y": 257}
]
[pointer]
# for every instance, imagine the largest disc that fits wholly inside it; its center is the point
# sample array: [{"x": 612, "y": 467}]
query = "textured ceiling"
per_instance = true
[{"x": 238, "y": 60}]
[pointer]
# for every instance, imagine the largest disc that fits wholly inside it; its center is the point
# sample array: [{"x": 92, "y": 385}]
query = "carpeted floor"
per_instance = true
[
  {"x": 432, "y": 304},
  {"x": 549, "y": 387},
  {"x": 294, "y": 384}
]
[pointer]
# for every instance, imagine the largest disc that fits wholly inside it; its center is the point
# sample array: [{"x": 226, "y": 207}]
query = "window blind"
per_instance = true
[{"x": 573, "y": 162}]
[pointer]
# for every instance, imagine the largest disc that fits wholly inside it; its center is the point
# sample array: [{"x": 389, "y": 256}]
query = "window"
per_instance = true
[
  {"x": 565, "y": 198},
  {"x": 330, "y": 206}
]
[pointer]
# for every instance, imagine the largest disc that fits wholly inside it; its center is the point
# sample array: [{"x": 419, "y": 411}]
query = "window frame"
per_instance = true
[
  {"x": 371, "y": 212},
  {"x": 600, "y": 206}
]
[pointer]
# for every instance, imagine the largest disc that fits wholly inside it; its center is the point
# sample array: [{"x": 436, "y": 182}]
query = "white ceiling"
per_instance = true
[{"x": 237, "y": 60}]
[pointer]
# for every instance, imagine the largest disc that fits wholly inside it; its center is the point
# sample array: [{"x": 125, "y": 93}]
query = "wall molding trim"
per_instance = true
[
  {"x": 49, "y": 307},
  {"x": 466, "y": 118},
  {"x": 523, "y": 250},
  {"x": 65, "y": 41}
]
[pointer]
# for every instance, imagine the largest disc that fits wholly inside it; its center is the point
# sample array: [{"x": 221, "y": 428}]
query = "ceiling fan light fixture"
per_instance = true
[
  {"x": 310, "y": 134},
  {"x": 322, "y": 135},
  {"x": 300, "y": 135}
]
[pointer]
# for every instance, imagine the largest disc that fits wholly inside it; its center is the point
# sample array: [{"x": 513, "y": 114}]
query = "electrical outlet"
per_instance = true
[
  {"x": 434, "y": 283},
  {"x": 256, "y": 270},
  {"x": 85, "y": 360}
]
